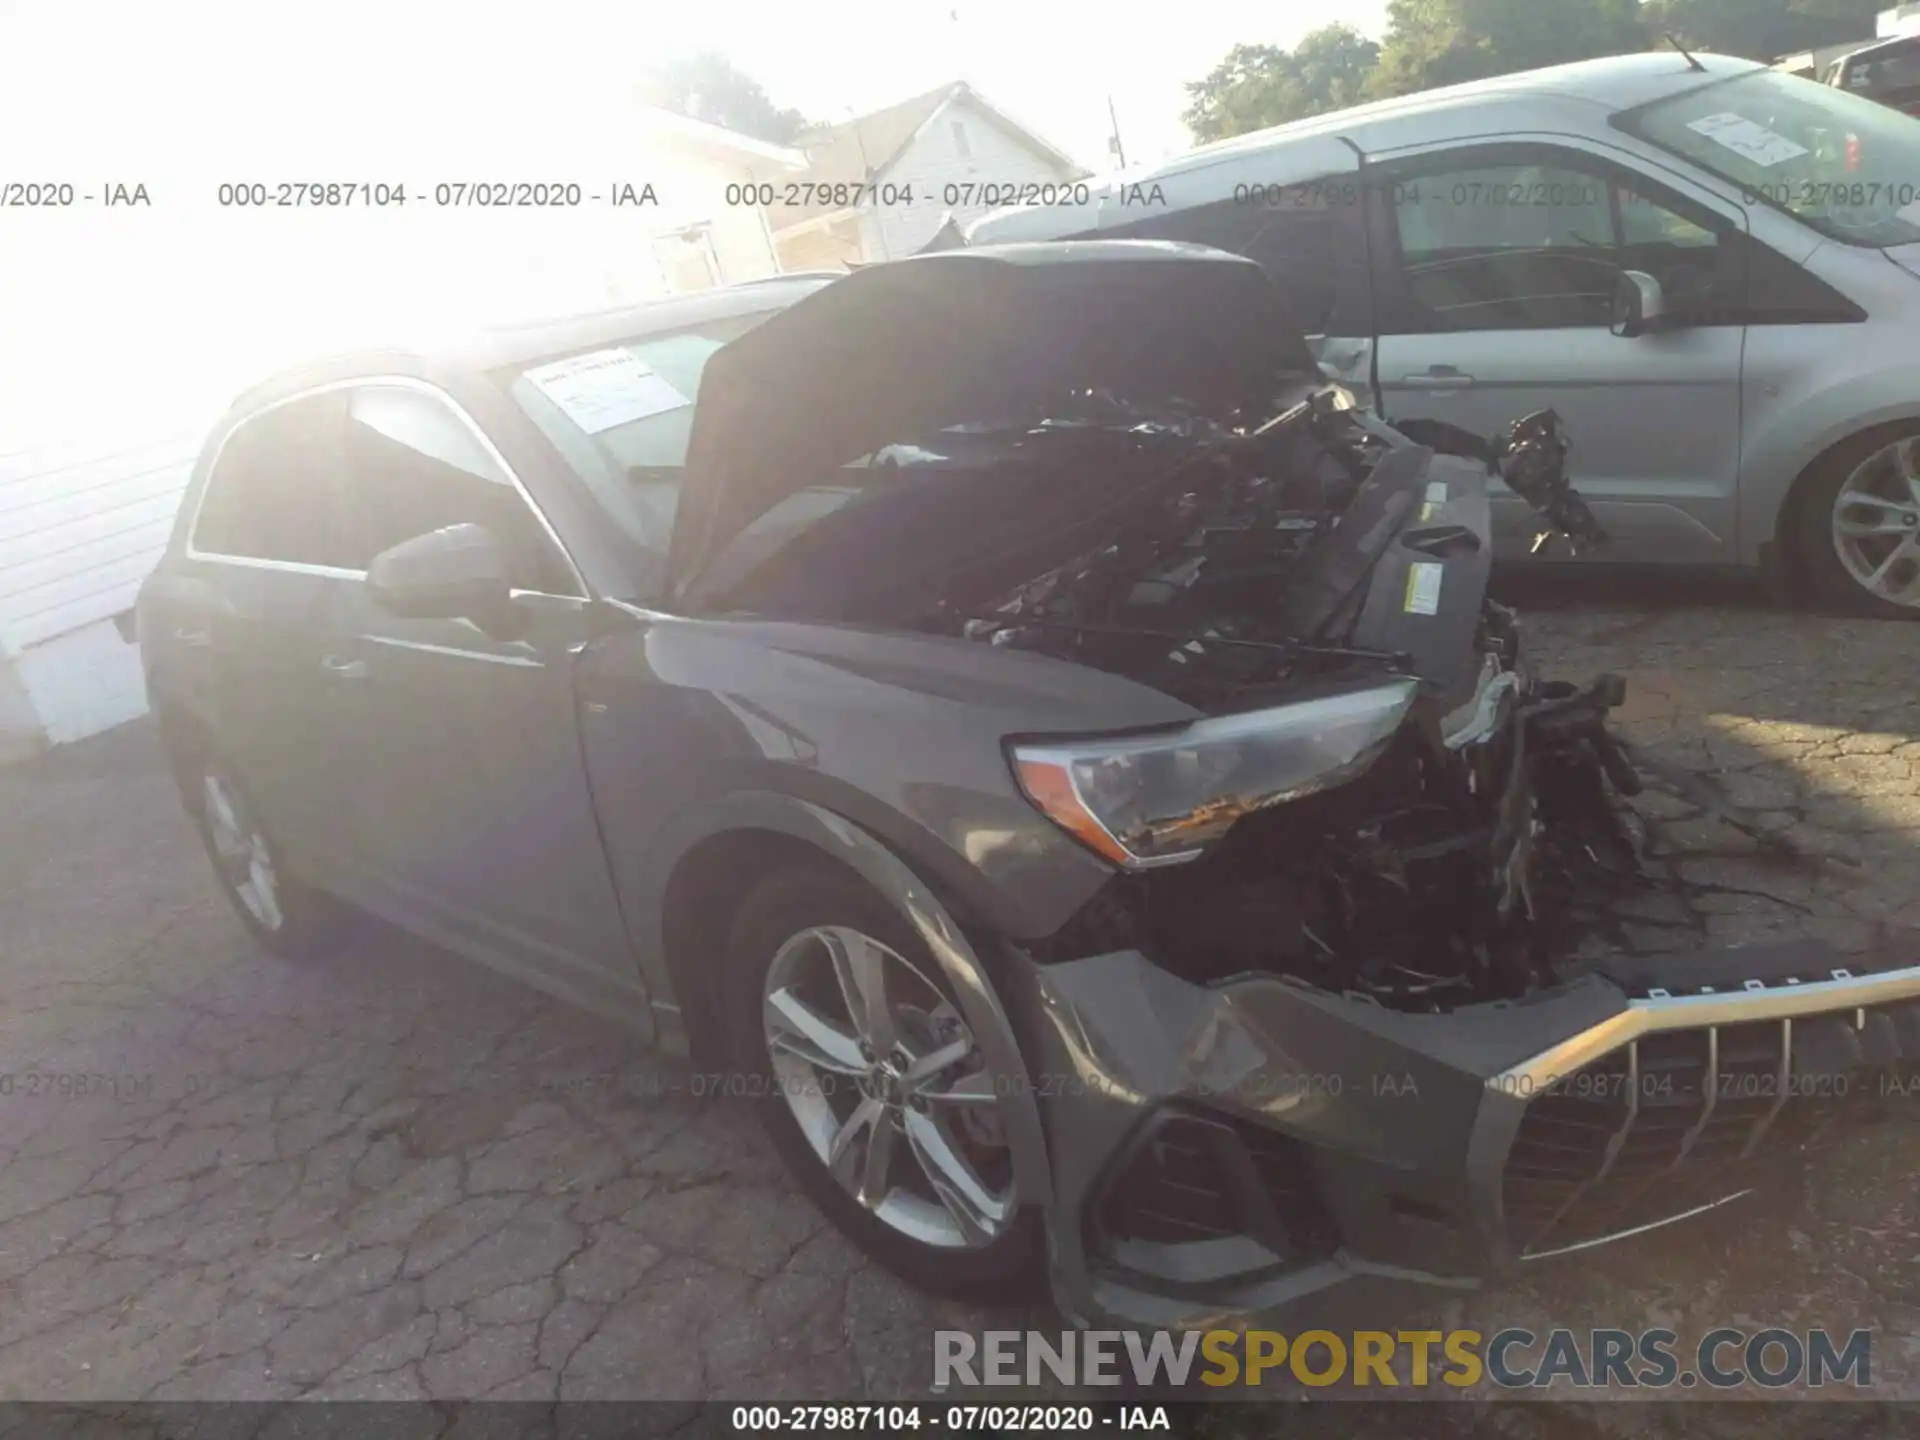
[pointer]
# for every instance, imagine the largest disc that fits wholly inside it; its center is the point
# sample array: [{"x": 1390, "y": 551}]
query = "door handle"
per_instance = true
[
  {"x": 191, "y": 639},
  {"x": 340, "y": 668},
  {"x": 1438, "y": 377}
]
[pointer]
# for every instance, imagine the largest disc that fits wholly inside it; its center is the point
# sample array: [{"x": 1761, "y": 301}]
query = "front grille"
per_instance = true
[
  {"x": 1679, "y": 1119},
  {"x": 1190, "y": 1178}
]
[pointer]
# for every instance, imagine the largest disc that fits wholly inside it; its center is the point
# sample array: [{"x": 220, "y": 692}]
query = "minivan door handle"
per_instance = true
[
  {"x": 1438, "y": 377},
  {"x": 341, "y": 668}
]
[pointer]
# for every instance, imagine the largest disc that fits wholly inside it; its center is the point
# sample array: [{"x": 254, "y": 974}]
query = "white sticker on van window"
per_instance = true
[
  {"x": 1748, "y": 138},
  {"x": 606, "y": 388},
  {"x": 1436, "y": 498},
  {"x": 1423, "y": 588}
]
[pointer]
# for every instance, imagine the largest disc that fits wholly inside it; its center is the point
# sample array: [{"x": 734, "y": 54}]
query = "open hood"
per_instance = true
[{"x": 901, "y": 350}]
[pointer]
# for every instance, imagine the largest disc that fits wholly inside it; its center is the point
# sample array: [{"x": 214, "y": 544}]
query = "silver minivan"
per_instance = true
[{"x": 1709, "y": 268}]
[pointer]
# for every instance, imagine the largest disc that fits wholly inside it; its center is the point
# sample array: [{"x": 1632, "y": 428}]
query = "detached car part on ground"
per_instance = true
[{"x": 1151, "y": 844}]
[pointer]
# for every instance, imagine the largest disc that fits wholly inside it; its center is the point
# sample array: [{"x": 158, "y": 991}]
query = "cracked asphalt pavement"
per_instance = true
[{"x": 394, "y": 1175}]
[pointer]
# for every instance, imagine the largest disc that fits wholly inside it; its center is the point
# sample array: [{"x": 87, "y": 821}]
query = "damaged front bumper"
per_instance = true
[{"x": 1261, "y": 1149}]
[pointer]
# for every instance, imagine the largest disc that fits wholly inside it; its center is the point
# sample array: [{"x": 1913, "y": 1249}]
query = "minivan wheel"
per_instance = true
[
  {"x": 1859, "y": 525},
  {"x": 871, "y": 1085},
  {"x": 283, "y": 915}
]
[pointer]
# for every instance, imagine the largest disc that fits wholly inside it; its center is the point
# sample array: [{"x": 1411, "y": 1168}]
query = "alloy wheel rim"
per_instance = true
[
  {"x": 241, "y": 852},
  {"x": 1876, "y": 523},
  {"x": 887, "y": 1084}
]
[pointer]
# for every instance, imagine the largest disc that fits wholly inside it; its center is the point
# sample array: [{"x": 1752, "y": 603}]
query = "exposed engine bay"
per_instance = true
[
  {"x": 1250, "y": 570},
  {"x": 1452, "y": 869}
]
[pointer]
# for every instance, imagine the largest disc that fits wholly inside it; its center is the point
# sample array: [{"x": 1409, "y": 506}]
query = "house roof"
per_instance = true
[
  {"x": 861, "y": 149},
  {"x": 698, "y": 134}
]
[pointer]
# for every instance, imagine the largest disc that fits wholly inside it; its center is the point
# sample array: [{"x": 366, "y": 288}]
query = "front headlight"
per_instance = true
[{"x": 1147, "y": 800}]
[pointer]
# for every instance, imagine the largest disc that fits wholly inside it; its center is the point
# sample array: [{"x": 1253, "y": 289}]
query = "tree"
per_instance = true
[
  {"x": 1444, "y": 42},
  {"x": 1261, "y": 85},
  {"x": 1761, "y": 29},
  {"x": 707, "y": 87}
]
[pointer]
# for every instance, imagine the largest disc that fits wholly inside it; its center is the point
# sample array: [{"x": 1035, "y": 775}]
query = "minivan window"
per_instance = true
[
  {"x": 1846, "y": 166},
  {"x": 1539, "y": 246},
  {"x": 272, "y": 492},
  {"x": 622, "y": 416},
  {"x": 413, "y": 465}
]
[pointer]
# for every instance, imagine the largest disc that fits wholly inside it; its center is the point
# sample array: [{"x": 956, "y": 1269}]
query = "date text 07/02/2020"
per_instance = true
[{"x": 961, "y": 1419}]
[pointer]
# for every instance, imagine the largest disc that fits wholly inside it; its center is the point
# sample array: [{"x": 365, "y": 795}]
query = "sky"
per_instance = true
[
  {"x": 184, "y": 95},
  {"x": 112, "y": 70}
]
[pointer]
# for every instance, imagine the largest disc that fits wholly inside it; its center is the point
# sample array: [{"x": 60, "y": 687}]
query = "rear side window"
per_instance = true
[
  {"x": 271, "y": 495},
  {"x": 412, "y": 464}
]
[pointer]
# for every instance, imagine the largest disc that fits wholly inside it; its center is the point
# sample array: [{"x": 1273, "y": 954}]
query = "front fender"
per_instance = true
[
  {"x": 1792, "y": 439},
  {"x": 870, "y": 858}
]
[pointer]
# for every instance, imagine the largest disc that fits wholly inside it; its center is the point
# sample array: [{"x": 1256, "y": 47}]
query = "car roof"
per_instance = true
[
  {"x": 520, "y": 344},
  {"x": 1583, "y": 93}
]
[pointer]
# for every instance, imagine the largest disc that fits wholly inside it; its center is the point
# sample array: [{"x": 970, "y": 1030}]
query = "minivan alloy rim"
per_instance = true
[
  {"x": 886, "y": 1082},
  {"x": 241, "y": 852},
  {"x": 1876, "y": 523}
]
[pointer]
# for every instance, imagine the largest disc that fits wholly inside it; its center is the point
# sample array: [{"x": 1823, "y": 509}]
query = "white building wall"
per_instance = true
[
  {"x": 1900, "y": 20},
  {"x": 935, "y": 158},
  {"x": 79, "y": 531}
]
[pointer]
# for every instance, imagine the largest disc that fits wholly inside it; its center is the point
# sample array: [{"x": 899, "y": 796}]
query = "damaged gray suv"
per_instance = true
[{"x": 1029, "y": 731}]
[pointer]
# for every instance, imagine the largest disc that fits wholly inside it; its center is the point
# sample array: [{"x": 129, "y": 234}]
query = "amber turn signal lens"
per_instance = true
[{"x": 1050, "y": 787}]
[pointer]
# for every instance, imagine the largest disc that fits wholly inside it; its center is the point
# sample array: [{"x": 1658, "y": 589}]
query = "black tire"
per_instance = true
[
  {"x": 1821, "y": 573},
  {"x": 796, "y": 898},
  {"x": 311, "y": 922}
]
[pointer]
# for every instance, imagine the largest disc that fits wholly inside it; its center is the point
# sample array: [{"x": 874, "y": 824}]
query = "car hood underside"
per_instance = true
[{"x": 913, "y": 346}]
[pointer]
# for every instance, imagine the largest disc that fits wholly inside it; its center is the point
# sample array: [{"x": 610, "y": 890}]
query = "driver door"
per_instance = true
[
  {"x": 475, "y": 811},
  {"x": 1494, "y": 279}
]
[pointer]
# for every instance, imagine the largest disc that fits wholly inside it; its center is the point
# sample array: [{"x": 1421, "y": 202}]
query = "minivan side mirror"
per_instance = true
[
  {"x": 455, "y": 572},
  {"x": 1639, "y": 305}
]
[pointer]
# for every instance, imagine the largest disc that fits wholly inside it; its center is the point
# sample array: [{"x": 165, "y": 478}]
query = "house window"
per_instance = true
[
  {"x": 960, "y": 141},
  {"x": 689, "y": 261}
]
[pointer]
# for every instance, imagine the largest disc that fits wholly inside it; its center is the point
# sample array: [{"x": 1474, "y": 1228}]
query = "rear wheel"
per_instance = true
[
  {"x": 872, "y": 1086},
  {"x": 283, "y": 914},
  {"x": 1858, "y": 525}
]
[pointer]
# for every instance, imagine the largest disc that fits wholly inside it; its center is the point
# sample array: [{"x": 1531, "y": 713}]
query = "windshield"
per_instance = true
[
  {"x": 622, "y": 416},
  {"x": 1845, "y": 165}
]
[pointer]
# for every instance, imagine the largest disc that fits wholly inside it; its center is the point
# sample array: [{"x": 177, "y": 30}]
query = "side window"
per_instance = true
[
  {"x": 413, "y": 464},
  {"x": 1701, "y": 272},
  {"x": 1296, "y": 241},
  {"x": 272, "y": 493},
  {"x": 1508, "y": 247}
]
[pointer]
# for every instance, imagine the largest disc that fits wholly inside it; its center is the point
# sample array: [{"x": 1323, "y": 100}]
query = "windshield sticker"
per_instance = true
[
  {"x": 1436, "y": 499},
  {"x": 1423, "y": 588},
  {"x": 1745, "y": 137},
  {"x": 606, "y": 388}
]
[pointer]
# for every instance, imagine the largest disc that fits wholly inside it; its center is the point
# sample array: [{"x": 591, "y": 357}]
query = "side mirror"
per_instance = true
[
  {"x": 1639, "y": 305},
  {"x": 452, "y": 573}
]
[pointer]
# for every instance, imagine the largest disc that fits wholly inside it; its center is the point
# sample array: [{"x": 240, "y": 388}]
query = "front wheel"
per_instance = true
[
  {"x": 1858, "y": 531},
  {"x": 871, "y": 1084},
  {"x": 285, "y": 916}
]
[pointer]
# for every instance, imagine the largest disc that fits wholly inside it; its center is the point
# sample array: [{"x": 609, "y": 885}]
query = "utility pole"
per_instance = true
[{"x": 1113, "y": 140}]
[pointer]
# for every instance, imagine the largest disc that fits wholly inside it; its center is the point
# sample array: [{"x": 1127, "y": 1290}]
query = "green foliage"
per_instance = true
[
  {"x": 1762, "y": 29},
  {"x": 707, "y": 87},
  {"x": 1444, "y": 42},
  {"x": 1260, "y": 85}
]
